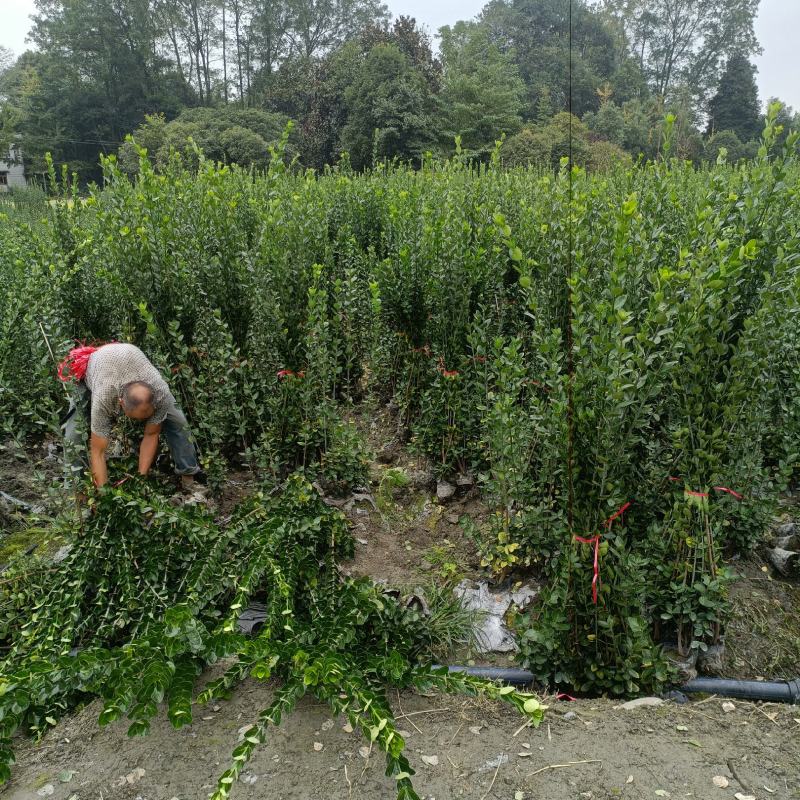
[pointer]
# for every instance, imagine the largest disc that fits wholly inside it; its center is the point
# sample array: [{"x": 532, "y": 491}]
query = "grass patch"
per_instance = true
[
  {"x": 449, "y": 626},
  {"x": 446, "y": 561},
  {"x": 15, "y": 545}
]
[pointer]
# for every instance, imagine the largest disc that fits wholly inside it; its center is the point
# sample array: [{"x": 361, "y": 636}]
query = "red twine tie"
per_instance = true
[
  {"x": 729, "y": 491},
  {"x": 725, "y": 489},
  {"x": 595, "y": 540}
]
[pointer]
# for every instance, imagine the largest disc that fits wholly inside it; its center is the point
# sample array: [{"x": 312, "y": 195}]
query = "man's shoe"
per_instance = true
[{"x": 191, "y": 481}]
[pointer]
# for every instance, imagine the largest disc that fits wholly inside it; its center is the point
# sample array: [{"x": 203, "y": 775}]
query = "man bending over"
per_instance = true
[{"x": 118, "y": 378}]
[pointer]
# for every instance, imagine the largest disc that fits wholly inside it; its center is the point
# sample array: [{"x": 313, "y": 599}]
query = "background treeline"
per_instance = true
[{"x": 228, "y": 74}]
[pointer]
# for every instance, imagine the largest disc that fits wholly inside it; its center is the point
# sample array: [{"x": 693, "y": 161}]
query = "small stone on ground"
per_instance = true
[{"x": 640, "y": 702}]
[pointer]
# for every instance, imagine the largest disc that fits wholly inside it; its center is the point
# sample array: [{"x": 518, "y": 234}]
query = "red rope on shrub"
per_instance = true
[
  {"x": 595, "y": 540},
  {"x": 729, "y": 491},
  {"x": 725, "y": 489}
]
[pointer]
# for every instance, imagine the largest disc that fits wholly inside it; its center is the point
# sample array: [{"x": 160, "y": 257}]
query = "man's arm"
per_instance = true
[
  {"x": 97, "y": 459},
  {"x": 148, "y": 448}
]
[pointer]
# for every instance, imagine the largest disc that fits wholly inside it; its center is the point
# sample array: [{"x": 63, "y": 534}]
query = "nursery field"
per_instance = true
[{"x": 591, "y": 382}]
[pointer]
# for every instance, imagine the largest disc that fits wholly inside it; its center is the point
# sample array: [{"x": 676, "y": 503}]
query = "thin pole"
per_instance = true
[
  {"x": 52, "y": 354},
  {"x": 78, "y": 514},
  {"x": 570, "y": 356}
]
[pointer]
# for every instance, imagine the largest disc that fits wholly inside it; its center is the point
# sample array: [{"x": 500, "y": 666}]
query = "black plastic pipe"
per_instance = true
[
  {"x": 771, "y": 691},
  {"x": 514, "y": 677}
]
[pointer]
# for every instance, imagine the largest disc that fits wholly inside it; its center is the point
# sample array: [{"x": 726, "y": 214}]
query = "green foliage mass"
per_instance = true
[
  {"x": 240, "y": 136},
  {"x": 106, "y": 68},
  {"x": 565, "y": 136},
  {"x": 538, "y": 33},
  {"x": 574, "y": 341},
  {"x": 725, "y": 145},
  {"x": 389, "y": 109},
  {"x": 482, "y": 93}
]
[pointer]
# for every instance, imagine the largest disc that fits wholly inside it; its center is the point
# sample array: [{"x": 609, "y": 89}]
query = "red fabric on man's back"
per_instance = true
[{"x": 75, "y": 364}]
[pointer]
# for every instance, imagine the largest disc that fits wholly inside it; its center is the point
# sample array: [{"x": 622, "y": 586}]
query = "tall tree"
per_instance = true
[
  {"x": 735, "y": 106},
  {"x": 544, "y": 45},
  {"x": 482, "y": 92},
  {"x": 10, "y": 99},
  {"x": 319, "y": 26},
  {"x": 200, "y": 33},
  {"x": 313, "y": 91},
  {"x": 685, "y": 41},
  {"x": 269, "y": 35},
  {"x": 326, "y": 113},
  {"x": 608, "y": 122},
  {"x": 224, "y": 35},
  {"x": 290, "y": 38},
  {"x": 409, "y": 39},
  {"x": 6, "y": 59},
  {"x": 390, "y": 109},
  {"x": 544, "y": 107}
]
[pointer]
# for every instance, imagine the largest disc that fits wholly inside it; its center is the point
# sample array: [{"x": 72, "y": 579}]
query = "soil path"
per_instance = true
[{"x": 668, "y": 751}]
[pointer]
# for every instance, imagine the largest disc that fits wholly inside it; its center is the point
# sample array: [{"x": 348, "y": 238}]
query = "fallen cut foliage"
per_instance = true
[{"x": 149, "y": 595}]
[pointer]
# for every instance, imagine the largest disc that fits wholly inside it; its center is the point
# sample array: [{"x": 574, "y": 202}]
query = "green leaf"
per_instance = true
[{"x": 692, "y": 742}]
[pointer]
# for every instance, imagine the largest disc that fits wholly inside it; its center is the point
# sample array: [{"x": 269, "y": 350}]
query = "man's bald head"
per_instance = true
[{"x": 136, "y": 400}]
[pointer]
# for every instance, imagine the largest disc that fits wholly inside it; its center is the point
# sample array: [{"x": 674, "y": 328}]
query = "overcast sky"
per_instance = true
[{"x": 777, "y": 28}]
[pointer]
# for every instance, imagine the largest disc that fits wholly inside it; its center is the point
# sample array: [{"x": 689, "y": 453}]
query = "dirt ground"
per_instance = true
[{"x": 606, "y": 752}]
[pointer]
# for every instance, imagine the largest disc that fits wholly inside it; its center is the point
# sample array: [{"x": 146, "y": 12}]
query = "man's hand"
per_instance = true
[{"x": 148, "y": 448}]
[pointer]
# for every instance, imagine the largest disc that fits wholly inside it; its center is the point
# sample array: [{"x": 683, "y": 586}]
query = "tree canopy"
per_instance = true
[
  {"x": 684, "y": 42},
  {"x": 390, "y": 109},
  {"x": 237, "y": 135},
  {"x": 354, "y": 80},
  {"x": 735, "y": 106},
  {"x": 482, "y": 91}
]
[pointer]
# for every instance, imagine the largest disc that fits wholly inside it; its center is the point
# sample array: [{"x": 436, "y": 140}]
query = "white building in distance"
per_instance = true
[{"x": 12, "y": 171}]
